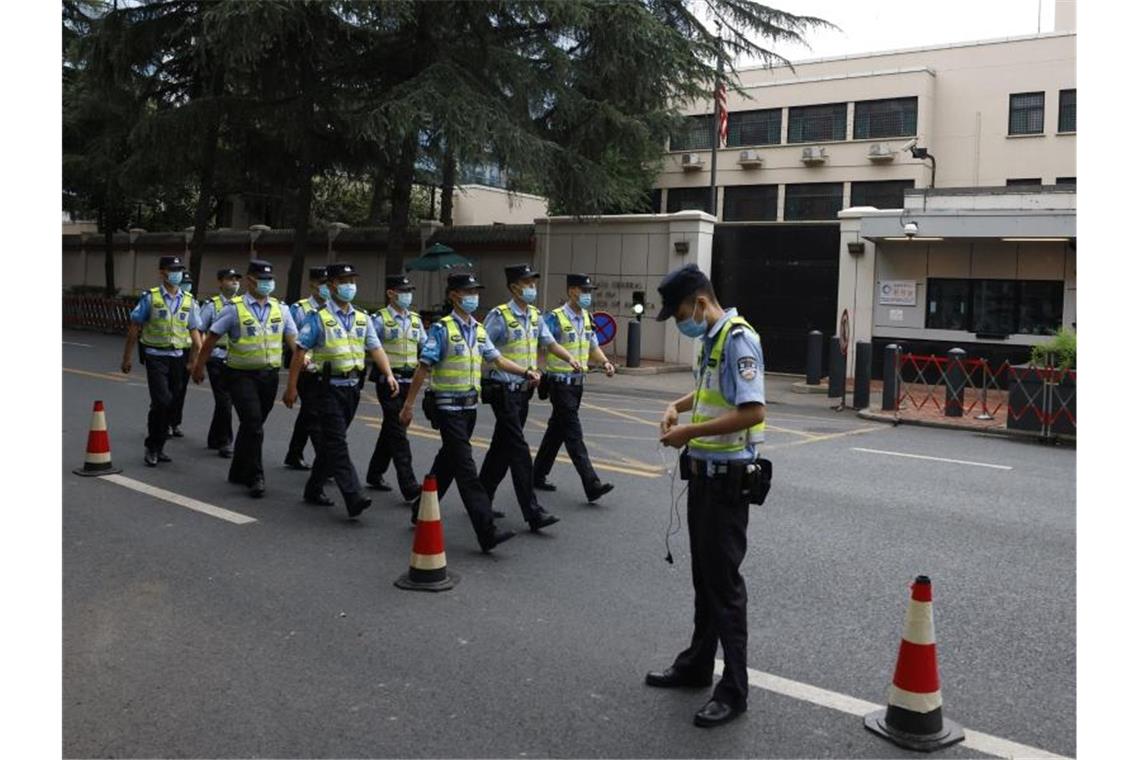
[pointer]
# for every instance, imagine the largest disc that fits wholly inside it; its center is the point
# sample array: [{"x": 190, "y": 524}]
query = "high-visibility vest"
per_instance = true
[
  {"x": 258, "y": 345},
  {"x": 342, "y": 349},
  {"x": 402, "y": 345},
  {"x": 219, "y": 301},
  {"x": 459, "y": 371},
  {"x": 306, "y": 306},
  {"x": 710, "y": 403},
  {"x": 577, "y": 343},
  {"x": 165, "y": 328},
  {"x": 520, "y": 343}
]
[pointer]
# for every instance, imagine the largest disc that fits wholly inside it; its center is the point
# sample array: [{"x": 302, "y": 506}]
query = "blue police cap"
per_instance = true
[
  {"x": 227, "y": 273},
  {"x": 579, "y": 281},
  {"x": 519, "y": 272},
  {"x": 341, "y": 269},
  {"x": 171, "y": 263},
  {"x": 462, "y": 281},
  {"x": 678, "y": 285},
  {"x": 260, "y": 269}
]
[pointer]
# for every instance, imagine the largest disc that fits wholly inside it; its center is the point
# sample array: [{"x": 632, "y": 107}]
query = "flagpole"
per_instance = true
[{"x": 715, "y": 123}]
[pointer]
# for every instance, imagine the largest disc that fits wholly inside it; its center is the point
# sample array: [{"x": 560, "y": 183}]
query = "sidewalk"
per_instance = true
[{"x": 671, "y": 385}]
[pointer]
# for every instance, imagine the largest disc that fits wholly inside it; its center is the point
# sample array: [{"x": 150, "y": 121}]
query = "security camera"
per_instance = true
[
  {"x": 910, "y": 229},
  {"x": 908, "y": 145}
]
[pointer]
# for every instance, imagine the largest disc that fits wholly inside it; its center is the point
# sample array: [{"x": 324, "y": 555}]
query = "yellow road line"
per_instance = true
[
  {"x": 98, "y": 375},
  {"x": 819, "y": 438},
  {"x": 623, "y": 415}
]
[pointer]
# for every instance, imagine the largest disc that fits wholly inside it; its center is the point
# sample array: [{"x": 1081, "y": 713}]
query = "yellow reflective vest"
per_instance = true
[{"x": 710, "y": 403}]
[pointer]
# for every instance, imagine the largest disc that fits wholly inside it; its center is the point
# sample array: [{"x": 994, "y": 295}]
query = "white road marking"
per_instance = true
[
  {"x": 81, "y": 345},
  {"x": 933, "y": 459},
  {"x": 976, "y": 740},
  {"x": 182, "y": 501}
]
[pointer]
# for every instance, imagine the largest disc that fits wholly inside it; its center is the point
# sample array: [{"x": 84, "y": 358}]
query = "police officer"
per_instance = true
[
  {"x": 187, "y": 287},
  {"x": 517, "y": 329},
  {"x": 402, "y": 334},
  {"x": 307, "y": 424},
  {"x": 338, "y": 336},
  {"x": 221, "y": 434},
  {"x": 166, "y": 323},
  {"x": 453, "y": 355},
  {"x": 727, "y": 426},
  {"x": 572, "y": 328},
  {"x": 257, "y": 324}
]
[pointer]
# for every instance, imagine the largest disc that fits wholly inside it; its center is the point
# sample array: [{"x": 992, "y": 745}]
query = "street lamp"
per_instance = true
[
  {"x": 633, "y": 340},
  {"x": 923, "y": 153}
]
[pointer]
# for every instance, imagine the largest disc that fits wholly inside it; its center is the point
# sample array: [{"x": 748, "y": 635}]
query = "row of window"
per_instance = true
[
  {"x": 874, "y": 119},
  {"x": 995, "y": 307},
  {"x": 809, "y": 201},
  {"x": 1035, "y": 181},
  {"x": 1027, "y": 112}
]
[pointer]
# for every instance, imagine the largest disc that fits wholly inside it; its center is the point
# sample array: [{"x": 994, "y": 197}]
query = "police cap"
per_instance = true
[{"x": 678, "y": 285}]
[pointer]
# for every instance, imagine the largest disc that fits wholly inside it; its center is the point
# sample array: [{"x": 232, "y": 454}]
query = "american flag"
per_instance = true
[{"x": 722, "y": 115}]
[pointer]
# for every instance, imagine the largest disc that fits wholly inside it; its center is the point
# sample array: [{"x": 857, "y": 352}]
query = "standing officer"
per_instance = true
[
  {"x": 338, "y": 336},
  {"x": 402, "y": 334},
  {"x": 728, "y": 424},
  {"x": 307, "y": 423},
  {"x": 572, "y": 328},
  {"x": 221, "y": 434},
  {"x": 187, "y": 288},
  {"x": 256, "y": 324},
  {"x": 453, "y": 355},
  {"x": 517, "y": 329},
  {"x": 168, "y": 323}
]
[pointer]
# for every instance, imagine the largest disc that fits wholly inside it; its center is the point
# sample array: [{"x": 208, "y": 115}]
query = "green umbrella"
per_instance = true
[{"x": 437, "y": 257}]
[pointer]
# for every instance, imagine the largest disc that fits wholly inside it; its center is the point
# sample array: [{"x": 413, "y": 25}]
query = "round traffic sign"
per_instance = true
[
  {"x": 605, "y": 326},
  {"x": 844, "y": 332}
]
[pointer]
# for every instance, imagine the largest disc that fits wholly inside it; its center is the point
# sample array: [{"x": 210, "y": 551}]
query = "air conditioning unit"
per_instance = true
[
  {"x": 880, "y": 152},
  {"x": 751, "y": 158},
  {"x": 814, "y": 155},
  {"x": 691, "y": 161}
]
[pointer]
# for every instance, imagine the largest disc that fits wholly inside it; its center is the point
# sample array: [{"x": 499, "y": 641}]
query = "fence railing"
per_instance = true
[{"x": 109, "y": 315}]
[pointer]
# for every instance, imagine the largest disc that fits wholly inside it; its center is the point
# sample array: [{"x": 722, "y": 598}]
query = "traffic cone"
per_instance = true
[
  {"x": 428, "y": 570},
  {"x": 913, "y": 717},
  {"x": 98, "y": 458}
]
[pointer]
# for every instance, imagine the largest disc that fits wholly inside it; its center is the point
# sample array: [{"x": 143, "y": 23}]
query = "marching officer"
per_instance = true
[
  {"x": 727, "y": 426},
  {"x": 257, "y": 324},
  {"x": 402, "y": 334},
  {"x": 572, "y": 328},
  {"x": 221, "y": 434},
  {"x": 338, "y": 336},
  {"x": 166, "y": 323},
  {"x": 453, "y": 356},
  {"x": 187, "y": 287},
  {"x": 307, "y": 423},
  {"x": 517, "y": 329}
]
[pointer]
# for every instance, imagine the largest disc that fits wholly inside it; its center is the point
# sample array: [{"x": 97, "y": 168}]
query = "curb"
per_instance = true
[
  {"x": 867, "y": 414},
  {"x": 655, "y": 370},
  {"x": 803, "y": 387}
]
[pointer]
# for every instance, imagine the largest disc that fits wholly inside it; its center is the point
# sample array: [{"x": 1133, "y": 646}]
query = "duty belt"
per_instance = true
[
  {"x": 567, "y": 379},
  {"x": 710, "y": 470},
  {"x": 513, "y": 387},
  {"x": 466, "y": 400}
]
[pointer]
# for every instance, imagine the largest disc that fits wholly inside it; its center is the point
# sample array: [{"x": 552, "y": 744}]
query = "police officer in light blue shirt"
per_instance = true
[
  {"x": 307, "y": 425},
  {"x": 187, "y": 288},
  {"x": 221, "y": 434}
]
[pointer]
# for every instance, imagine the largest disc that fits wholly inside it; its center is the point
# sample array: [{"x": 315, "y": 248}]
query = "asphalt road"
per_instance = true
[{"x": 186, "y": 635}]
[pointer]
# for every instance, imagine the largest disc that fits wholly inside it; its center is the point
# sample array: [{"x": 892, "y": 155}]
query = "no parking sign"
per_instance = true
[{"x": 605, "y": 326}]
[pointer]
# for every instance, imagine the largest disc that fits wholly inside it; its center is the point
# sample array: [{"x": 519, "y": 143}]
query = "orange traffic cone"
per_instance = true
[
  {"x": 98, "y": 458},
  {"x": 913, "y": 717},
  {"x": 428, "y": 570}
]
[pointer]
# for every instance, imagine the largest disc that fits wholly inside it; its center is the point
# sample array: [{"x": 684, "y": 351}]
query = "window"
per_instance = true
[
  {"x": 887, "y": 194},
  {"x": 1023, "y": 182},
  {"x": 694, "y": 134},
  {"x": 750, "y": 203},
  {"x": 947, "y": 304},
  {"x": 817, "y": 200},
  {"x": 687, "y": 198},
  {"x": 895, "y": 117},
  {"x": 1067, "y": 181},
  {"x": 1040, "y": 306},
  {"x": 1027, "y": 113},
  {"x": 995, "y": 307},
  {"x": 754, "y": 127},
  {"x": 1067, "y": 112},
  {"x": 655, "y": 200},
  {"x": 817, "y": 123}
]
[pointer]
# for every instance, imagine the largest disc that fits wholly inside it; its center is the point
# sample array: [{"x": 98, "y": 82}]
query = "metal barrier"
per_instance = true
[
  {"x": 109, "y": 315},
  {"x": 1035, "y": 399}
]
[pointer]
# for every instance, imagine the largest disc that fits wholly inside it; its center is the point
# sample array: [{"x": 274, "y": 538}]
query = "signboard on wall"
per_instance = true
[{"x": 898, "y": 293}]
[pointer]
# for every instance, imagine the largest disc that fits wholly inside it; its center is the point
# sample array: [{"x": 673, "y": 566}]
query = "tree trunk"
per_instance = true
[
  {"x": 376, "y": 208},
  {"x": 401, "y": 204},
  {"x": 108, "y": 252},
  {"x": 447, "y": 192},
  {"x": 206, "y": 185},
  {"x": 304, "y": 187}
]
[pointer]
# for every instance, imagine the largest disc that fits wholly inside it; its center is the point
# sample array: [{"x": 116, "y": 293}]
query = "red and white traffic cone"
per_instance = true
[
  {"x": 428, "y": 569},
  {"x": 98, "y": 458},
  {"x": 913, "y": 717}
]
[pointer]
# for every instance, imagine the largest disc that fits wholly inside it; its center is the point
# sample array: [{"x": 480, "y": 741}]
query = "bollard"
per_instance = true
[
  {"x": 861, "y": 399},
  {"x": 955, "y": 382},
  {"x": 891, "y": 378},
  {"x": 633, "y": 344},
  {"x": 837, "y": 372},
  {"x": 814, "y": 357}
]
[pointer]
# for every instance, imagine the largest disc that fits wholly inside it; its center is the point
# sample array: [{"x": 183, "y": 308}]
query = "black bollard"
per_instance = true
[
  {"x": 837, "y": 374},
  {"x": 891, "y": 378},
  {"x": 814, "y": 357},
  {"x": 861, "y": 399},
  {"x": 955, "y": 382},
  {"x": 633, "y": 344}
]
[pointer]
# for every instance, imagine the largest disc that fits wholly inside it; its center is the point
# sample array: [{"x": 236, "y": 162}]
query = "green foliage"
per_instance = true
[{"x": 1063, "y": 347}]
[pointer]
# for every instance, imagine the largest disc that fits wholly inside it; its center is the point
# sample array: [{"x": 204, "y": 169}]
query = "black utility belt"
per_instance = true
[
  {"x": 752, "y": 477},
  {"x": 567, "y": 379},
  {"x": 511, "y": 387},
  {"x": 466, "y": 400},
  {"x": 345, "y": 376},
  {"x": 404, "y": 374}
]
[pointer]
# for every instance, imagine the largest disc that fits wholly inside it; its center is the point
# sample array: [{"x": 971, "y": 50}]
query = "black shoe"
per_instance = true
[
  {"x": 669, "y": 678},
  {"x": 357, "y": 504},
  {"x": 175, "y": 432},
  {"x": 716, "y": 713},
  {"x": 257, "y": 488},
  {"x": 542, "y": 485},
  {"x": 297, "y": 463},
  {"x": 238, "y": 481},
  {"x": 379, "y": 484},
  {"x": 598, "y": 492},
  {"x": 497, "y": 514},
  {"x": 497, "y": 537},
  {"x": 320, "y": 498},
  {"x": 150, "y": 458},
  {"x": 225, "y": 452},
  {"x": 162, "y": 457},
  {"x": 412, "y": 494},
  {"x": 542, "y": 519}
]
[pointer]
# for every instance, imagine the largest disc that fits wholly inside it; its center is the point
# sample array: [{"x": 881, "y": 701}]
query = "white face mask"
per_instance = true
[{"x": 403, "y": 300}]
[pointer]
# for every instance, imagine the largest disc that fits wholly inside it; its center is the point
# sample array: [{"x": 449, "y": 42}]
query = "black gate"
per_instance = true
[{"x": 784, "y": 279}]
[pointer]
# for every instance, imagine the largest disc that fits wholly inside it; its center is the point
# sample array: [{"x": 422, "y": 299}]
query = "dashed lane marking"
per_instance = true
[
  {"x": 933, "y": 459},
  {"x": 97, "y": 375},
  {"x": 183, "y": 501}
]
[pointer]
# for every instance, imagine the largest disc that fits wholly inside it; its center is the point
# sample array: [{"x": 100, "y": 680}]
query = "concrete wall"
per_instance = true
[{"x": 479, "y": 204}]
